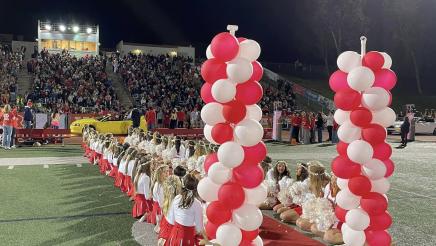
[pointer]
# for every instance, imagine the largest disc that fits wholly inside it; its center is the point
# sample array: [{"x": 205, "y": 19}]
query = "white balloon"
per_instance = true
[
  {"x": 248, "y": 217},
  {"x": 219, "y": 174},
  {"x": 375, "y": 98},
  {"x": 374, "y": 169},
  {"x": 257, "y": 195},
  {"x": 357, "y": 219},
  {"x": 385, "y": 117},
  {"x": 360, "y": 78},
  {"x": 212, "y": 113},
  {"x": 341, "y": 116},
  {"x": 249, "y": 132},
  {"x": 349, "y": 60},
  {"x": 360, "y": 151},
  {"x": 207, "y": 131},
  {"x": 258, "y": 241},
  {"x": 347, "y": 200},
  {"x": 381, "y": 186},
  {"x": 342, "y": 183},
  {"x": 223, "y": 90},
  {"x": 388, "y": 60},
  {"x": 231, "y": 154},
  {"x": 254, "y": 112},
  {"x": 228, "y": 234},
  {"x": 208, "y": 190},
  {"x": 348, "y": 132},
  {"x": 239, "y": 70},
  {"x": 352, "y": 237},
  {"x": 209, "y": 54},
  {"x": 249, "y": 49}
]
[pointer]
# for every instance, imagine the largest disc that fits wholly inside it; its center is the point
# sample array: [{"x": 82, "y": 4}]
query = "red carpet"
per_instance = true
[{"x": 273, "y": 233}]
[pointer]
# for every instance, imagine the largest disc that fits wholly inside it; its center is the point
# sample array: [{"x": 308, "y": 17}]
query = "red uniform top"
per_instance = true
[
  {"x": 296, "y": 120},
  {"x": 305, "y": 123},
  {"x": 15, "y": 118},
  {"x": 312, "y": 123},
  {"x": 335, "y": 125},
  {"x": 180, "y": 116},
  {"x": 150, "y": 116},
  {"x": 8, "y": 119}
]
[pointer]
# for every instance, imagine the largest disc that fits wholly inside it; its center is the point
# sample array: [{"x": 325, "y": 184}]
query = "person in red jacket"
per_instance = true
[
  {"x": 296, "y": 124},
  {"x": 305, "y": 124},
  {"x": 150, "y": 117},
  {"x": 180, "y": 118},
  {"x": 7, "y": 120},
  {"x": 312, "y": 119},
  {"x": 14, "y": 127}
]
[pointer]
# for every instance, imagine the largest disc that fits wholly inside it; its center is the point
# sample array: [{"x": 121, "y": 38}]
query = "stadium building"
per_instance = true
[{"x": 78, "y": 40}]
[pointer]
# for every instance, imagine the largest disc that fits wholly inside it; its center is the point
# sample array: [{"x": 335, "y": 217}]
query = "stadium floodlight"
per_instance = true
[
  {"x": 76, "y": 29},
  {"x": 47, "y": 27},
  {"x": 89, "y": 30},
  {"x": 62, "y": 28}
]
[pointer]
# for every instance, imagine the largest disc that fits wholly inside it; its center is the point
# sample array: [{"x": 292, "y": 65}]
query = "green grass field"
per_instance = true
[{"x": 76, "y": 205}]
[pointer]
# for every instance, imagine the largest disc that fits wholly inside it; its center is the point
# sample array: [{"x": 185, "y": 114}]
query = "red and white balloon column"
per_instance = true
[
  {"x": 362, "y": 85},
  {"x": 233, "y": 187}
]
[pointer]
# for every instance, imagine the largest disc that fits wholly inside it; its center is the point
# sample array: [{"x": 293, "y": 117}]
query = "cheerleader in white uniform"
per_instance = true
[
  {"x": 186, "y": 215},
  {"x": 172, "y": 187},
  {"x": 128, "y": 139},
  {"x": 141, "y": 144},
  {"x": 117, "y": 149},
  {"x": 191, "y": 159},
  {"x": 122, "y": 168},
  {"x": 333, "y": 235},
  {"x": 200, "y": 155},
  {"x": 142, "y": 190},
  {"x": 127, "y": 171},
  {"x": 177, "y": 154},
  {"x": 162, "y": 145},
  {"x": 166, "y": 152},
  {"x": 160, "y": 175},
  {"x": 273, "y": 177}
]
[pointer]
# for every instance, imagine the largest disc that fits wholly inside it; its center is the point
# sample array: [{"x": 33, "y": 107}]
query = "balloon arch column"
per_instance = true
[
  {"x": 233, "y": 187},
  {"x": 362, "y": 85}
]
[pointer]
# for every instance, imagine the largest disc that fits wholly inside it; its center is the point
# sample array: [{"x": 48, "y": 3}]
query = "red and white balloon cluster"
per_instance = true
[
  {"x": 362, "y": 97},
  {"x": 233, "y": 187}
]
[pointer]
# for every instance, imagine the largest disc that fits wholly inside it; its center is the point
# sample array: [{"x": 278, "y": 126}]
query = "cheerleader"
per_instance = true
[
  {"x": 171, "y": 187},
  {"x": 279, "y": 173},
  {"x": 177, "y": 153},
  {"x": 142, "y": 188},
  {"x": 186, "y": 215},
  {"x": 159, "y": 177},
  {"x": 127, "y": 185},
  {"x": 154, "y": 143},
  {"x": 162, "y": 145},
  {"x": 119, "y": 181},
  {"x": 141, "y": 144},
  {"x": 135, "y": 137},
  {"x": 191, "y": 159},
  {"x": 103, "y": 163},
  {"x": 128, "y": 139},
  {"x": 116, "y": 151},
  {"x": 180, "y": 172},
  {"x": 318, "y": 179},
  {"x": 166, "y": 152},
  {"x": 333, "y": 235},
  {"x": 190, "y": 149},
  {"x": 200, "y": 156},
  {"x": 291, "y": 213}
]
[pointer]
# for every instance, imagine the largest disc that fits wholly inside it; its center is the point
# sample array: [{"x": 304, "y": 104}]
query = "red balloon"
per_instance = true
[
  {"x": 374, "y": 203},
  {"x": 385, "y": 78},
  {"x": 347, "y": 99},
  {"x": 231, "y": 194},
  {"x": 338, "y": 81},
  {"x": 249, "y": 235},
  {"x": 341, "y": 147},
  {"x": 344, "y": 168},
  {"x": 246, "y": 243},
  {"x": 234, "y": 111},
  {"x": 211, "y": 230},
  {"x": 249, "y": 92},
  {"x": 222, "y": 132},
  {"x": 241, "y": 39},
  {"x": 206, "y": 93},
  {"x": 373, "y": 60},
  {"x": 257, "y": 71},
  {"x": 378, "y": 238},
  {"x": 256, "y": 153},
  {"x": 340, "y": 213},
  {"x": 390, "y": 167},
  {"x": 218, "y": 213},
  {"x": 249, "y": 176},
  {"x": 359, "y": 185},
  {"x": 374, "y": 134},
  {"x": 209, "y": 160},
  {"x": 361, "y": 117},
  {"x": 224, "y": 46},
  {"x": 382, "y": 151},
  {"x": 380, "y": 222},
  {"x": 213, "y": 70}
]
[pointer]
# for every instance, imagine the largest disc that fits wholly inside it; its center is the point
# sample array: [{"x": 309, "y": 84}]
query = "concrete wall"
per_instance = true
[
  {"x": 30, "y": 47},
  {"x": 125, "y": 48}
]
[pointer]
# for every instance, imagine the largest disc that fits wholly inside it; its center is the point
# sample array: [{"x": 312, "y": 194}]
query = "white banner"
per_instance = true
[{"x": 40, "y": 121}]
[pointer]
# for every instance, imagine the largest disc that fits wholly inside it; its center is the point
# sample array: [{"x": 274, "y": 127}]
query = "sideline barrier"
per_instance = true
[{"x": 56, "y": 135}]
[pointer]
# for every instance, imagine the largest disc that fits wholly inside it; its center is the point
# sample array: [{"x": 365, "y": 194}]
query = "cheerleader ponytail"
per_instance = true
[{"x": 188, "y": 192}]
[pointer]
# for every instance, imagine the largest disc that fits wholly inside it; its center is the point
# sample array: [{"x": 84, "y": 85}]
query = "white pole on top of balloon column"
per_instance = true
[
  {"x": 363, "y": 46},
  {"x": 232, "y": 29}
]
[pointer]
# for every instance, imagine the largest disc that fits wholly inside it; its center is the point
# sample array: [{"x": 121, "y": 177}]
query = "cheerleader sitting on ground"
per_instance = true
[
  {"x": 172, "y": 187},
  {"x": 186, "y": 215},
  {"x": 333, "y": 235},
  {"x": 273, "y": 177}
]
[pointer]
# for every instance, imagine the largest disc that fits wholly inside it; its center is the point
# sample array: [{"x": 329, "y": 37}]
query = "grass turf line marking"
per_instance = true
[
  {"x": 413, "y": 193},
  {"x": 11, "y": 167},
  {"x": 78, "y": 165},
  {"x": 70, "y": 217},
  {"x": 45, "y": 166}
]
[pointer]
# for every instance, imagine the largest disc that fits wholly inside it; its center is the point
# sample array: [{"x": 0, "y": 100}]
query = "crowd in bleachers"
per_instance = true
[
  {"x": 10, "y": 65},
  {"x": 68, "y": 84}
]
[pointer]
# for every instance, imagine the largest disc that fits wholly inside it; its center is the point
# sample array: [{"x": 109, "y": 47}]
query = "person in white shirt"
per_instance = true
[
  {"x": 122, "y": 160},
  {"x": 186, "y": 215},
  {"x": 159, "y": 177},
  {"x": 273, "y": 177},
  {"x": 142, "y": 189},
  {"x": 172, "y": 187},
  {"x": 117, "y": 149},
  {"x": 329, "y": 124},
  {"x": 177, "y": 154}
]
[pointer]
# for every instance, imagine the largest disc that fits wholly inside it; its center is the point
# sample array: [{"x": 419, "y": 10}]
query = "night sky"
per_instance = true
[{"x": 284, "y": 28}]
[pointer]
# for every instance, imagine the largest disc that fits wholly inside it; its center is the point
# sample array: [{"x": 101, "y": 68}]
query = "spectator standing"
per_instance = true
[
  {"x": 296, "y": 123},
  {"x": 194, "y": 117},
  {"x": 7, "y": 121},
  {"x": 14, "y": 127},
  {"x": 319, "y": 126},
  {"x": 28, "y": 116},
  {"x": 135, "y": 115},
  {"x": 150, "y": 116},
  {"x": 55, "y": 120},
  {"x": 159, "y": 117},
  {"x": 305, "y": 124},
  {"x": 329, "y": 123},
  {"x": 180, "y": 118},
  {"x": 405, "y": 127},
  {"x": 173, "y": 119}
]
